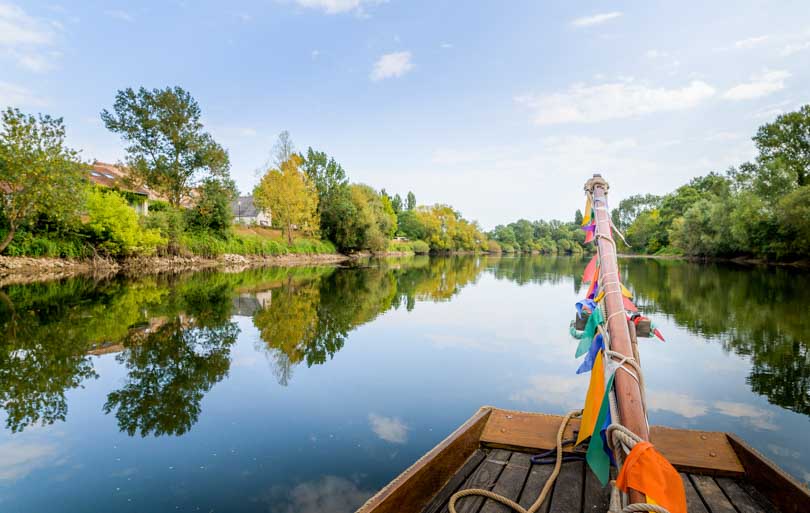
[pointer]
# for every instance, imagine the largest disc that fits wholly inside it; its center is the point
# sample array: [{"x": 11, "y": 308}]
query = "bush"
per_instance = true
[
  {"x": 113, "y": 225},
  {"x": 420, "y": 247},
  {"x": 44, "y": 245},
  {"x": 170, "y": 223},
  {"x": 493, "y": 246}
]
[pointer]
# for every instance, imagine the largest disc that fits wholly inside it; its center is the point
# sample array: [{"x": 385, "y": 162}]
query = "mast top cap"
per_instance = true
[{"x": 596, "y": 181}]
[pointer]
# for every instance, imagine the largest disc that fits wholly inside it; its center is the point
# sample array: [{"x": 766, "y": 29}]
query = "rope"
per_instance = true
[{"x": 546, "y": 488}]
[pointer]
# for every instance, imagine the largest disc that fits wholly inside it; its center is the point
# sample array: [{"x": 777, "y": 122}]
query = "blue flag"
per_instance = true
[{"x": 596, "y": 346}]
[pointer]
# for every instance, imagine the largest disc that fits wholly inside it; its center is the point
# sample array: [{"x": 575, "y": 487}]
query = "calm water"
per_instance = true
[{"x": 308, "y": 389}]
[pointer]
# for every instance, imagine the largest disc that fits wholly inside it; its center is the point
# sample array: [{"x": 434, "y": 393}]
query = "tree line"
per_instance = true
[{"x": 758, "y": 209}]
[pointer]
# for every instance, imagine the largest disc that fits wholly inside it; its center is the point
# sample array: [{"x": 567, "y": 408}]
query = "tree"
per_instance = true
[
  {"x": 168, "y": 149},
  {"x": 396, "y": 203},
  {"x": 282, "y": 150},
  {"x": 411, "y": 203},
  {"x": 212, "y": 210},
  {"x": 788, "y": 139},
  {"x": 38, "y": 173},
  {"x": 291, "y": 197},
  {"x": 374, "y": 221}
]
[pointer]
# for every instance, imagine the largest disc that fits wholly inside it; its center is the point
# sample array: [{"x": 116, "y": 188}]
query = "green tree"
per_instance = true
[
  {"x": 38, "y": 173},
  {"x": 290, "y": 196},
  {"x": 335, "y": 207},
  {"x": 396, "y": 203},
  {"x": 788, "y": 140},
  {"x": 411, "y": 201},
  {"x": 114, "y": 226},
  {"x": 212, "y": 208},
  {"x": 167, "y": 147}
]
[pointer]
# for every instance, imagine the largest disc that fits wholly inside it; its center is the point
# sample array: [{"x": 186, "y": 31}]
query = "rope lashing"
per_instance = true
[{"x": 546, "y": 488}]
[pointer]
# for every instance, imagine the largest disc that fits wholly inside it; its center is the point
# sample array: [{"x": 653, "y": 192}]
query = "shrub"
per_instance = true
[
  {"x": 420, "y": 247},
  {"x": 114, "y": 228},
  {"x": 493, "y": 246}
]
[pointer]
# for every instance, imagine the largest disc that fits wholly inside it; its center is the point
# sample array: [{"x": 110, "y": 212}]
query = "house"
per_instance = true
[
  {"x": 115, "y": 177},
  {"x": 245, "y": 212}
]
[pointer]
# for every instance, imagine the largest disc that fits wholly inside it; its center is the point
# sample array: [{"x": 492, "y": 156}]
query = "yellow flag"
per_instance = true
[
  {"x": 600, "y": 296},
  {"x": 626, "y": 293},
  {"x": 593, "y": 399},
  {"x": 586, "y": 216}
]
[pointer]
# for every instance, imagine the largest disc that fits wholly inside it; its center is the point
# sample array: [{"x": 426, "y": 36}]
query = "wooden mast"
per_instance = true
[{"x": 628, "y": 392}]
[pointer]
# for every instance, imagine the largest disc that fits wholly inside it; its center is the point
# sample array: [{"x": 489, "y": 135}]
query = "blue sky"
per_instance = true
[{"x": 501, "y": 109}]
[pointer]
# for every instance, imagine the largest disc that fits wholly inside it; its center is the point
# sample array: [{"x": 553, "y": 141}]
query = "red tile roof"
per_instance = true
[{"x": 110, "y": 175}]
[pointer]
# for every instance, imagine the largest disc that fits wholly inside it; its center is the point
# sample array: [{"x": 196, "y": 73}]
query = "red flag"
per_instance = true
[
  {"x": 628, "y": 305},
  {"x": 590, "y": 271},
  {"x": 588, "y": 236}
]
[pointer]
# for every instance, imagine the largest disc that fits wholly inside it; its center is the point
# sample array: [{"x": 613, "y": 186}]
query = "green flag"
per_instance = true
[
  {"x": 590, "y": 330},
  {"x": 597, "y": 456}
]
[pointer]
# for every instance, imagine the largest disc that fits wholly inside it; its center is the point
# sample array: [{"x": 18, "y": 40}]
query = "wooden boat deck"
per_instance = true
[
  {"x": 492, "y": 450},
  {"x": 511, "y": 474}
]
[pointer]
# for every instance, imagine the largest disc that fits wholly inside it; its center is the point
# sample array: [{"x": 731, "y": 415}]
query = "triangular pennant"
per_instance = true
[
  {"x": 587, "y": 213},
  {"x": 597, "y": 458},
  {"x": 628, "y": 305},
  {"x": 593, "y": 400},
  {"x": 590, "y": 270},
  {"x": 590, "y": 331},
  {"x": 626, "y": 293},
  {"x": 590, "y": 357}
]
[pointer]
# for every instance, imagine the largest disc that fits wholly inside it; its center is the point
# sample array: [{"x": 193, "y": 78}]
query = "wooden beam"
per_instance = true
[
  {"x": 413, "y": 489},
  {"x": 704, "y": 452}
]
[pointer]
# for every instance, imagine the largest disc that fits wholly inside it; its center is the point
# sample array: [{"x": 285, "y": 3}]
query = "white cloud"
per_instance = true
[
  {"x": 337, "y": 6},
  {"x": 596, "y": 19},
  {"x": 759, "y": 86},
  {"x": 16, "y": 96},
  {"x": 18, "y": 459},
  {"x": 392, "y": 65},
  {"x": 23, "y": 38},
  {"x": 757, "y": 417},
  {"x": 750, "y": 42},
  {"x": 389, "y": 429},
  {"x": 546, "y": 389},
  {"x": 795, "y": 47},
  {"x": 681, "y": 404},
  {"x": 330, "y": 493},
  {"x": 120, "y": 14},
  {"x": 616, "y": 100}
]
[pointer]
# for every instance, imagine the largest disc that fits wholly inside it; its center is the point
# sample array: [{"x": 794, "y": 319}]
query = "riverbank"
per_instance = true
[
  {"x": 707, "y": 260},
  {"x": 19, "y": 270}
]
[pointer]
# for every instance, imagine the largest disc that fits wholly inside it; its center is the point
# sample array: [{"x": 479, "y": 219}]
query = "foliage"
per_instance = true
[
  {"x": 38, "y": 173},
  {"x": 444, "y": 229},
  {"x": 787, "y": 139},
  {"x": 212, "y": 208},
  {"x": 114, "y": 227},
  {"x": 167, "y": 147},
  {"x": 548, "y": 237},
  {"x": 291, "y": 197}
]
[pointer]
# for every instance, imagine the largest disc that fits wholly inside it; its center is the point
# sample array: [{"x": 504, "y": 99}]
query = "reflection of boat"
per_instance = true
[{"x": 694, "y": 471}]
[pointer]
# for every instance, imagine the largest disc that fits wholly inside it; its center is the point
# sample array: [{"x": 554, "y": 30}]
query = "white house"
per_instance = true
[{"x": 245, "y": 212}]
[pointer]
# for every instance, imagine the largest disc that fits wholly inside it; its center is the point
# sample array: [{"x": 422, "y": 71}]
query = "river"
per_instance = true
[{"x": 307, "y": 389}]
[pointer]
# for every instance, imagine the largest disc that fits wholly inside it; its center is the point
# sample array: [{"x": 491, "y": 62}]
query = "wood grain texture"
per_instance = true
[
  {"x": 569, "y": 488},
  {"x": 712, "y": 494},
  {"x": 538, "y": 475},
  {"x": 510, "y": 483},
  {"x": 694, "y": 504},
  {"x": 413, "y": 489},
  {"x": 739, "y": 497},
  {"x": 455, "y": 482},
  {"x": 785, "y": 492},
  {"x": 687, "y": 450},
  {"x": 597, "y": 497},
  {"x": 484, "y": 477}
]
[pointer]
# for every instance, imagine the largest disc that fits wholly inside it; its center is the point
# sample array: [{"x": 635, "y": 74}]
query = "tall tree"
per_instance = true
[
  {"x": 335, "y": 207},
  {"x": 788, "y": 140},
  {"x": 411, "y": 204},
  {"x": 396, "y": 203},
  {"x": 38, "y": 173},
  {"x": 290, "y": 196},
  {"x": 168, "y": 149},
  {"x": 283, "y": 149}
]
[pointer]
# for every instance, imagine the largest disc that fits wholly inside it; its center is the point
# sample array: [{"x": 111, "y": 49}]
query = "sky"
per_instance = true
[{"x": 502, "y": 109}]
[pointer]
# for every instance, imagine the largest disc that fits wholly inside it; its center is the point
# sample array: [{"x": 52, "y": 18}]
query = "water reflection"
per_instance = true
[
  {"x": 754, "y": 311},
  {"x": 174, "y": 335}
]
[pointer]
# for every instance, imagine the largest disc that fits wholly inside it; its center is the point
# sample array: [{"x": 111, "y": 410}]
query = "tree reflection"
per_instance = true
[
  {"x": 171, "y": 367},
  {"x": 753, "y": 311}
]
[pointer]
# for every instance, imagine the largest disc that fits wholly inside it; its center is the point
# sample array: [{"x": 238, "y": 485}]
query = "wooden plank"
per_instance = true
[
  {"x": 712, "y": 494},
  {"x": 510, "y": 483},
  {"x": 597, "y": 497},
  {"x": 694, "y": 504},
  {"x": 455, "y": 482},
  {"x": 758, "y": 497},
  {"x": 538, "y": 475},
  {"x": 738, "y": 497},
  {"x": 484, "y": 477},
  {"x": 415, "y": 487},
  {"x": 785, "y": 492},
  {"x": 706, "y": 452},
  {"x": 569, "y": 488}
]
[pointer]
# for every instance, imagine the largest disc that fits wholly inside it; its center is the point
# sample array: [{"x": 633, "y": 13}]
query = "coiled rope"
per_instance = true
[{"x": 546, "y": 488}]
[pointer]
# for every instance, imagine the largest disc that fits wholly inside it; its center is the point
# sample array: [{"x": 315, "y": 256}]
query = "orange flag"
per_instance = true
[
  {"x": 593, "y": 399},
  {"x": 647, "y": 471}
]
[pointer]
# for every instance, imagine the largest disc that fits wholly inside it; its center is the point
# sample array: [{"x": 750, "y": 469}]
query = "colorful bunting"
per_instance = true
[
  {"x": 585, "y": 305},
  {"x": 647, "y": 471},
  {"x": 590, "y": 331},
  {"x": 590, "y": 357},
  {"x": 593, "y": 399},
  {"x": 628, "y": 305},
  {"x": 590, "y": 270},
  {"x": 587, "y": 213},
  {"x": 596, "y": 456},
  {"x": 588, "y": 236},
  {"x": 626, "y": 293}
]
